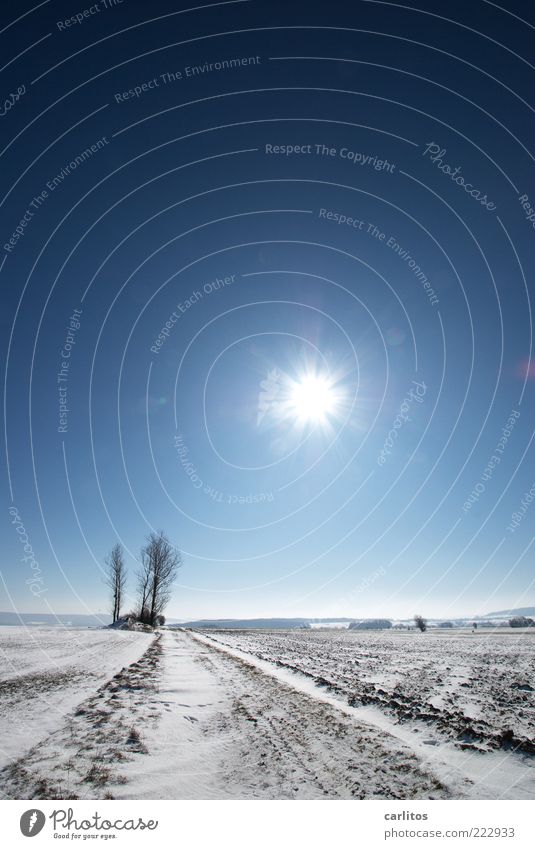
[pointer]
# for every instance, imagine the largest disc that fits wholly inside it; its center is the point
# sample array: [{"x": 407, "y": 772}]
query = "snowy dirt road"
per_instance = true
[{"x": 188, "y": 720}]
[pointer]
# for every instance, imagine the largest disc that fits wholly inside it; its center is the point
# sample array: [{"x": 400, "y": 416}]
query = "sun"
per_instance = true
[{"x": 312, "y": 399}]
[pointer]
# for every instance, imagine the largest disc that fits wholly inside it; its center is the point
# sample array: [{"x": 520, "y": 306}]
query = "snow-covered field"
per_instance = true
[
  {"x": 465, "y": 703},
  {"x": 476, "y": 689},
  {"x": 265, "y": 715},
  {"x": 45, "y": 672}
]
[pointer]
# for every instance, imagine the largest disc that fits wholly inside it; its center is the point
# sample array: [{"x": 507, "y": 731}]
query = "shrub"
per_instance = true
[
  {"x": 521, "y": 622},
  {"x": 420, "y": 622}
]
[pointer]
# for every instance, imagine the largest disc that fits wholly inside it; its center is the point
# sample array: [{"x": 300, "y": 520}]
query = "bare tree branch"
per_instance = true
[
  {"x": 116, "y": 578},
  {"x": 160, "y": 561}
]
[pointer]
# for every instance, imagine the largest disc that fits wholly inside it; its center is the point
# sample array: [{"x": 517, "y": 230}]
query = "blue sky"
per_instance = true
[{"x": 212, "y": 276}]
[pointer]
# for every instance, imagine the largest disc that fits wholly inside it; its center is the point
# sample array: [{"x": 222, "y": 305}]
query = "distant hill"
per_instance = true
[
  {"x": 249, "y": 623},
  {"x": 82, "y": 620},
  {"x": 516, "y": 611},
  {"x": 65, "y": 620},
  {"x": 263, "y": 623}
]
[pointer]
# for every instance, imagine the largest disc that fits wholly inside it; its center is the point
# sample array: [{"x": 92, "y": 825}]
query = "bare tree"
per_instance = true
[
  {"x": 116, "y": 578},
  {"x": 160, "y": 561},
  {"x": 143, "y": 588},
  {"x": 420, "y": 623}
]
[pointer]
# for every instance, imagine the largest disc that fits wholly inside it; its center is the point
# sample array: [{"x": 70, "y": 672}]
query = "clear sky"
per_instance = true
[{"x": 266, "y": 272}]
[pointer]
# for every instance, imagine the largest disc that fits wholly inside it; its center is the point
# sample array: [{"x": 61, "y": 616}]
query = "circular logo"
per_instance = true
[{"x": 32, "y": 822}]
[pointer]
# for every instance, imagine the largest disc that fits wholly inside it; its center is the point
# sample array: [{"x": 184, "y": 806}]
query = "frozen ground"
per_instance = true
[
  {"x": 476, "y": 689},
  {"x": 450, "y": 694},
  {"x": 267, "y": 715},
  {"x": 45, "y": 672}
]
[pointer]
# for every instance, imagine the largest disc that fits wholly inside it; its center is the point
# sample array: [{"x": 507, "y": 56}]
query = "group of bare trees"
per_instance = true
[{"x": 159, "y": 563}]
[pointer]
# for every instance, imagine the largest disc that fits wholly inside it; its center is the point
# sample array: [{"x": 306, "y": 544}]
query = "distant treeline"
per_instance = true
[
  {"x": 248, "y": 623},
  {"x": 371, "y": 625}
]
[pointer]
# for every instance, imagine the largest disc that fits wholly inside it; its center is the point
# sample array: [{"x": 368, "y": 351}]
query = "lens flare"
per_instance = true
[{"x": 312, "y": 399}]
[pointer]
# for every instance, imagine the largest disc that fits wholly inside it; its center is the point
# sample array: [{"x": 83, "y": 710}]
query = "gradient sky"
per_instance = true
[{"x": 183, "y": 210}]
